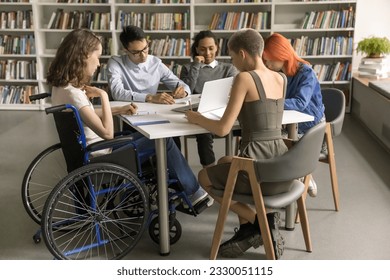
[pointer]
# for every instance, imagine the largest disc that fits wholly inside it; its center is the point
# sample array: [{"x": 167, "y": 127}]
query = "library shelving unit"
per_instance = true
[
  {"x": 18, "y": 72},
  {"x": 321, "y": 31}
]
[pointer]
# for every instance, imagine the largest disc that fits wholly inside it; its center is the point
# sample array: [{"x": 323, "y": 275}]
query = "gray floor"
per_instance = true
[{"x": 359, "y": 231}]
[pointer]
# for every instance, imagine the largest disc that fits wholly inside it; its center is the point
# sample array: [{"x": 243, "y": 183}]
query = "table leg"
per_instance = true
[
  {"x": 229, "y": 144},
  {"x": 161, "y": 154},
  {"x": 292, "y": 130}
]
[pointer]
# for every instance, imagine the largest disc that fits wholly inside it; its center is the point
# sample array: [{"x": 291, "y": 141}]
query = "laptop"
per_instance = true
[{"x": 213, "y": 100}]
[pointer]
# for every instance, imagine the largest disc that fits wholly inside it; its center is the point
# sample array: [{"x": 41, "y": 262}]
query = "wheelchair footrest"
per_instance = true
[
  {"x": 201, "y": 206},
  {"x": 195, "y": 209}
]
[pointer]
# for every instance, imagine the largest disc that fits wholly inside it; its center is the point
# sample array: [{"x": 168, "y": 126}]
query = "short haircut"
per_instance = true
[
  {"x": 130, "y": 34},
  {"x": 247, "y": 39}
]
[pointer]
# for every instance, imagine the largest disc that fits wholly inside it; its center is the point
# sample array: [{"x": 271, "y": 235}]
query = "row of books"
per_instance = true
[
  {"x": 61, "y": 19},
  {"x": 24, "y": 44},
  {"x": 16, "y": 19},
  {"x": 242, "y": 1},
  {"x": 339, "y": 45},
  {"x": 18, "y": 69},
  {"x": 340, "y": 71},
  {"x": 83, "y": 1},
  {"x": 344, "y": 18},
  {"x": 175, "y": 67},
  {"x": 238, "y": 20},
  {"x": 158, "y": 1},
  {"x": 14, "y": 1},
  {"x": 319, "y": 0},
  {"x": 106, "y": 45},
  {"x": 154, "y": 21},
  {"x": 101, "y": 73},
  {"x": 17, "y": 94},
  {"x": 170, "y": 47}
]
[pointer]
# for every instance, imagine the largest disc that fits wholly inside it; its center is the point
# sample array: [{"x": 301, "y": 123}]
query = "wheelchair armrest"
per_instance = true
[
  {"x": 105, "y": 144},
  {"x": 39, "y": 96},
  {"x": 124, "y": 132},
  {"x": 54, "y": 109}
]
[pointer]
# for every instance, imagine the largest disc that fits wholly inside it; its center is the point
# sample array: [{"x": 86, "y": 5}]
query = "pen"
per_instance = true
[
  {"x": 173, "y": 92},
  {"x": 189, "y": 102}
]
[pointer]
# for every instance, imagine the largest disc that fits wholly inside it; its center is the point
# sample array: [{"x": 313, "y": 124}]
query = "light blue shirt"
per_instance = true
[{"x": 128, "y": 81}]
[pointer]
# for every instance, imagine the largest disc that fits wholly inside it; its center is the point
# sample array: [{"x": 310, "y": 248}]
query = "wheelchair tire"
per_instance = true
[
  {"x": 41, "y": 176},
  {"x": 174, "y": 230},
  {"x": 86, "y": 214}
]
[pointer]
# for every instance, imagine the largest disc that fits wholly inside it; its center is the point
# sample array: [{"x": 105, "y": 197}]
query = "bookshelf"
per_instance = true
[{"x": 173, "y": 23}]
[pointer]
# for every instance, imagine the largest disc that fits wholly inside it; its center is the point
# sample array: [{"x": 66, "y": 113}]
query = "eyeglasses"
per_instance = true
[{"x": 138, "y": 53}]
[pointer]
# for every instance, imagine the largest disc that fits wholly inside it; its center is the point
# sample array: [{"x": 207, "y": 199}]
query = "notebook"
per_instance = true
[{"x": 214, "y": 98}]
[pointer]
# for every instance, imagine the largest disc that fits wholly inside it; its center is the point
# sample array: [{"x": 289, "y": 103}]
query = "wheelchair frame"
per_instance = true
[{"x": 59, "y": 229}]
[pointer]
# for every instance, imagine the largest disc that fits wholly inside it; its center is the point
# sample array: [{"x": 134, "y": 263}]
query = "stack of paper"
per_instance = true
[
  {"x": 146, "y": 119},
  {"x": 374, "y": 67}
]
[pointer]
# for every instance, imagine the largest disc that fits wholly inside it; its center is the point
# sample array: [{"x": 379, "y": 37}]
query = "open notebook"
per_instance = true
[{"x": 214, "y": 98}]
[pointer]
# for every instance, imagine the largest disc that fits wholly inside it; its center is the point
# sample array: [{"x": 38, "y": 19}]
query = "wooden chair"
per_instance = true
[
  {"x": 334, "y": 101},
  {"x": 298, "y": 162}
]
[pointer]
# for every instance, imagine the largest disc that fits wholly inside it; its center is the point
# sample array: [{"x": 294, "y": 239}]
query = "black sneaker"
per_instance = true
[
  {"x": 277, "y": 238},
  {"x": 243, "y": 239}
]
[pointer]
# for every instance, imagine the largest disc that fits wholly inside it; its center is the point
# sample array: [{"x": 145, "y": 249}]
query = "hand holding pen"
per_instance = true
[
  {"x": 192, "y": 116},
  {"x": 178, "y": 92}
]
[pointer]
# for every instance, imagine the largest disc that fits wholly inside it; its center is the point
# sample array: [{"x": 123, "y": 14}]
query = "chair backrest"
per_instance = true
[
  {"x": 334, "y": 102},
  {"x": 297, "y": 162}
]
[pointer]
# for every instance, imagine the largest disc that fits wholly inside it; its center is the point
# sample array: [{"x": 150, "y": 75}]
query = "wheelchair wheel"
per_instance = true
[
  {"x": 41, "y": 176},
  {"x": 86, "y": 216},
  {"x": 174, "y": 230}
]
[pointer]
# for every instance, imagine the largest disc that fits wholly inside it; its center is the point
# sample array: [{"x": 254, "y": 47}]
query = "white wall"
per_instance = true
[{"x": 372, "y": 18}]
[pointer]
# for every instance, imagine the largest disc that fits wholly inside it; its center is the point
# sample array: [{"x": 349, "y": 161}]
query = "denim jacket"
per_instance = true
[{"x": 304, "y": 95}]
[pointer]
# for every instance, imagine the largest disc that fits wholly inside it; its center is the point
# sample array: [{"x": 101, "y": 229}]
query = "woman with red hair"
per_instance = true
[{"x": 303, "y": 88}]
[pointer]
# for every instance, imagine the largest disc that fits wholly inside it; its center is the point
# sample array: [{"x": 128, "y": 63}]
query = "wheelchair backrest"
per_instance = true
[
  {"x": 69, "y": 133},
  {"x": 74, "y": 147}
]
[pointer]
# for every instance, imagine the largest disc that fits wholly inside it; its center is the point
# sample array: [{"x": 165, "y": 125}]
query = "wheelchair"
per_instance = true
[{"x": 102, "y": 207}]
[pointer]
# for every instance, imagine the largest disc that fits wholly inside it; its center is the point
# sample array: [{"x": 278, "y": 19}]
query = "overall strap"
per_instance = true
[
  {"x": 285, "y": 83},
  {"x": 259, "y": 85}
]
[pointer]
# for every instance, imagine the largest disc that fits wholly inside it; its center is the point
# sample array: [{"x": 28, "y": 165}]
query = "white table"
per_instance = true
[{"x": 179, "y": 126}]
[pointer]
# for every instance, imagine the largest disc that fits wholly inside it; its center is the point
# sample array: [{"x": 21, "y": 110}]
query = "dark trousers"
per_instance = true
[{"x": 205, "y": 148}]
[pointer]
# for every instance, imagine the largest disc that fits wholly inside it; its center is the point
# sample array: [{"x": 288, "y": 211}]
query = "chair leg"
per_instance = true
[
  {"x": 261, "y": 213},
  {"x": 306, "y": 181},
  {"x": 332, "y": 167},
  {"x": 304, "y": 223},
  {"x": 223, "y": 210}
]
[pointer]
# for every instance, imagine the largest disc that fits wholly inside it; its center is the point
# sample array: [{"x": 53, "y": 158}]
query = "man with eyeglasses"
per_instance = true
[{"x": 136, "y": 75}]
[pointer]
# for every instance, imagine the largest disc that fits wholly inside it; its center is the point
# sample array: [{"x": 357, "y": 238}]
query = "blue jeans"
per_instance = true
[{"x": 178, "y": 167}]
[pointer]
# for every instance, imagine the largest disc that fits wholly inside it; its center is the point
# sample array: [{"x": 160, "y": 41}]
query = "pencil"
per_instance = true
[{"x": 189, "y": 102}]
